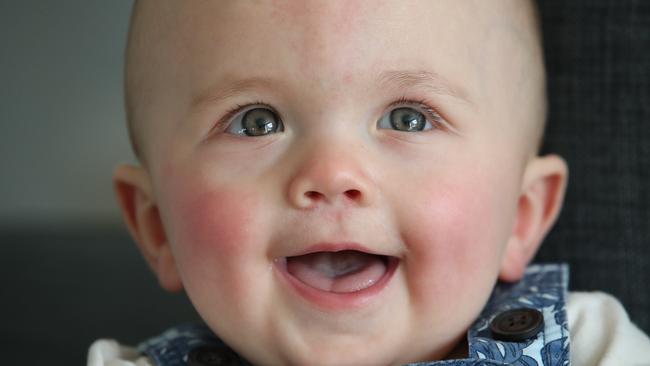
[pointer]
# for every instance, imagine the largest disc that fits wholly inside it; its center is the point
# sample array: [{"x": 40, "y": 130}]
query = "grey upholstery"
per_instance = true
[{"x": 598, "y": 61}]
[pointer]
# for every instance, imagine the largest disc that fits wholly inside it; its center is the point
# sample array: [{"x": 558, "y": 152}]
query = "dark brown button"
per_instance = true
[
  {"x": 210, "y": 356},
  {"x": 517, "y": 325}
]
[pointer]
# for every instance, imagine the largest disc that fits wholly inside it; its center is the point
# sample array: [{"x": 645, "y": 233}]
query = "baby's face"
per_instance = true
[{"x": 338, "y": 180}]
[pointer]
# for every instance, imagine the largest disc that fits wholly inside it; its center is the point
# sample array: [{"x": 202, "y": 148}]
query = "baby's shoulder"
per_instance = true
[{"x": 602, "y": 333}]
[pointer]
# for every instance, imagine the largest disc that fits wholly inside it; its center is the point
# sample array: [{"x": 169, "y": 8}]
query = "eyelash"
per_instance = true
[
  {"x": 228, "y": 116},
  {"x": 421, "y": 104}
]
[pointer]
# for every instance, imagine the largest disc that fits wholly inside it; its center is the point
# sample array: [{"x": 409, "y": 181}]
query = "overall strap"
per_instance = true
[{"x": 190, "y": 345}]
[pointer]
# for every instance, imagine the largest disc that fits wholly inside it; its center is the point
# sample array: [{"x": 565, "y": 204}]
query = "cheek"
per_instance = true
[
  {"x": 216, "y": 222},
  {"x": 457, "y": 241},
  {"x": 215, "y": 231}
]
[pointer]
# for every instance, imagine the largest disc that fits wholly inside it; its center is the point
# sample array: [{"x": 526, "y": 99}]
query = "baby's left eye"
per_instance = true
[{"x": 405, "y": 119}]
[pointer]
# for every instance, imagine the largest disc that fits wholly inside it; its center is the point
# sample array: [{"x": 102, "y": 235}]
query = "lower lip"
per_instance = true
[{"x": 334, "y": 301}]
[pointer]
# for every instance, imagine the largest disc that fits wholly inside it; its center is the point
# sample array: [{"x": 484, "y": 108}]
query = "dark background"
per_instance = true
[
  {"x": 69, "y": 282},
  {"x": 598, "y": 64}
]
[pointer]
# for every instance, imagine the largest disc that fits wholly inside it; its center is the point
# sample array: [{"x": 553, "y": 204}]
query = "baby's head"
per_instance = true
[{"x": 338, "y": 182}]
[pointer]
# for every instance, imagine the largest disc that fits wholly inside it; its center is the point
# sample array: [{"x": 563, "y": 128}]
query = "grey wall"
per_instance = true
[{"x": 61, "y": 115}]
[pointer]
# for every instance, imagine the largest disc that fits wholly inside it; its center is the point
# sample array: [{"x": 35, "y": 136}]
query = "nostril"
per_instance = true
[
  {"x": 353, "y": 194},
  {"x": 313, "y": 195}
]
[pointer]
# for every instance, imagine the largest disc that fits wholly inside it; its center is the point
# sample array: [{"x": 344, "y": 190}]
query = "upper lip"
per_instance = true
[{"x": 336, "y": 247}]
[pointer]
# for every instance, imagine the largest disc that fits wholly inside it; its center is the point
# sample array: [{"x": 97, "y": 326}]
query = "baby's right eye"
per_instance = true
[{"x": 255, "y": 121}]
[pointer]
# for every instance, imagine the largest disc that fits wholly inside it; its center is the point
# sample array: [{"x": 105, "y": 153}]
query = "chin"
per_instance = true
[
  {"x": 347, "y": 352},
  {"x": 338, "y": 357}
]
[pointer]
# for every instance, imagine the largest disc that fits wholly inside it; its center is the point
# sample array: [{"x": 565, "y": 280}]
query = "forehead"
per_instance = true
[
  {"x": 332, "y": 54},
  {"x": 322, "y": 44}
]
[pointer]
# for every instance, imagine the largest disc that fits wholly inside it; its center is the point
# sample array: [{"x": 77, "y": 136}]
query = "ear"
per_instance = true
[
  {"x": 542, "y": 194},
  {"x": 140, "y": 212}
]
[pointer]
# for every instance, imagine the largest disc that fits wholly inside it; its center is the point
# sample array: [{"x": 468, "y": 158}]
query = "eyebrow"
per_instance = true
[
  {"x": 225, "y": 90},
  {"x": 392, "y": 79},
  {"x": 429, "y": 81}
]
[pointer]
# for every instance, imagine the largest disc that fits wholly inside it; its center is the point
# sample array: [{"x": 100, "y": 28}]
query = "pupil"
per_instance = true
[
  {"x": 259, "y": 122},
  {"x": 407, "y": 119}
]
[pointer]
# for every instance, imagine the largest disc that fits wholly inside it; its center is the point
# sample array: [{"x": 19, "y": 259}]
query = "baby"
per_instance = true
[{"x": 344, "y": 183}]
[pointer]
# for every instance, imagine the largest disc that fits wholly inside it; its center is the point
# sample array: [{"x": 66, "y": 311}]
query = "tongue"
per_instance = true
[{"x": 341, "y": 272}]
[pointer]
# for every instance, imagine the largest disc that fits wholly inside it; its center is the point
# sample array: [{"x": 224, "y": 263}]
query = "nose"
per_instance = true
[{"x": 331, "y": 175}]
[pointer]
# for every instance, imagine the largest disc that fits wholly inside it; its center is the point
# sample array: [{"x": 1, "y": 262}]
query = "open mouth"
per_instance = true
[
  {"x": 338, "y": 278},
  {"x": 340, "y": 272}
]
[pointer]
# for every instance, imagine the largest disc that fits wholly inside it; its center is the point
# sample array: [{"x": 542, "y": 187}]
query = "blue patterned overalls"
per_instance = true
[{"x": 494, "y": 339}]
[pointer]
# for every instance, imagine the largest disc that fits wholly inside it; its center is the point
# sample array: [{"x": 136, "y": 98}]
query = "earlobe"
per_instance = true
[
  {"x": 543, "y": 188},
  {"x": 140, "y": 212}
]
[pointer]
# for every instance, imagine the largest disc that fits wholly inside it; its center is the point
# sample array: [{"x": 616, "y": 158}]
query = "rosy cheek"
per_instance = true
[
  {"x": 215, "y": 221},
  {"x": 214, "y": 233},
  {"x": 455, "y": 244}
]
